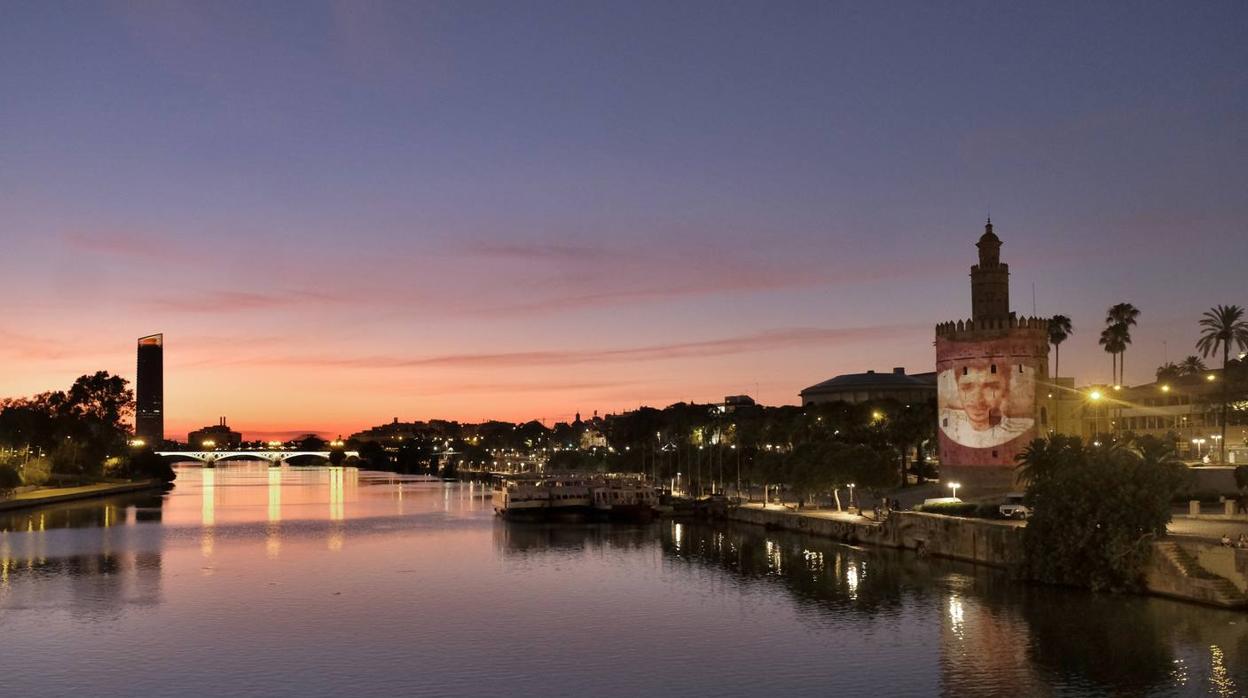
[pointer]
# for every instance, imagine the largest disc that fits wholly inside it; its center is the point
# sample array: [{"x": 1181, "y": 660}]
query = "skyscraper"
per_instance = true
[{"x": 149, "y": 392}]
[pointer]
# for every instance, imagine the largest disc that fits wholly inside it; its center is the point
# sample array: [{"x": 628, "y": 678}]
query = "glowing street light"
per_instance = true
[
  {"x": 209, "y": 443},
  {"x": 954, "y": 486},
  {"x": 1165, "y": 388},
  {"x": 138, "y": 443}
]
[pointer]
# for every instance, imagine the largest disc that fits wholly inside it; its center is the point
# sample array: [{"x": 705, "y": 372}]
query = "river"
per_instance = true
[{"x": 248, "y": 580}]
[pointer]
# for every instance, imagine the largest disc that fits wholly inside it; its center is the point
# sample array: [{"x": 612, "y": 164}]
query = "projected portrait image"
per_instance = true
[{"x": 986, "y": 402}]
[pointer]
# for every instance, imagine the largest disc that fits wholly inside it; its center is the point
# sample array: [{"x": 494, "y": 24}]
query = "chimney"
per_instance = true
[{"x": 899, "y": 370}]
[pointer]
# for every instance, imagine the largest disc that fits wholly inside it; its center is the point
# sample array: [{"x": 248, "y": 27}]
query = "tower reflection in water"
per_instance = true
[
  {"x": 87, "y": 558},
  {"x": 995, "y": 634}
]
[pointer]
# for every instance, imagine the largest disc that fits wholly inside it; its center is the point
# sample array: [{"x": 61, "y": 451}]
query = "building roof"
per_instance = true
[{"x": 872, "y": 380}]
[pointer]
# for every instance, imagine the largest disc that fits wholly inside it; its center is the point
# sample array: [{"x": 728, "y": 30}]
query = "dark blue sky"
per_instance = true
[{"x": 691, "y": 199}]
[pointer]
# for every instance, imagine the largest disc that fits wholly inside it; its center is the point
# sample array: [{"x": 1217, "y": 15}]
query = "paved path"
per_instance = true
[
  {"x": 1209, "y": 526},
  {"x": 1206, "y": 526},
  {"x": 52, "y": 495}
]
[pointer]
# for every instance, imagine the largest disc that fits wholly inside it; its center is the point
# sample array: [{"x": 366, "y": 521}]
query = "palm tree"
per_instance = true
[
  {"x": 1122, "y": 317},
  {"x": 1059, "y": 330},
  {"x": 1192, "y": 366},
  {"x": 1113, "y": 344},
  {"x": 1223, "y": 325},
  {"x": 1048, "y": 456},
  {"x": 1168, "y": 371}
]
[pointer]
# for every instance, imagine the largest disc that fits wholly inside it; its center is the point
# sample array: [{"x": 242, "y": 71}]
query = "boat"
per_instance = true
[
  {"x": 573, "y": 497},
  {"x": 623, "y": 498},
  {"x": 521, "y": 499}
]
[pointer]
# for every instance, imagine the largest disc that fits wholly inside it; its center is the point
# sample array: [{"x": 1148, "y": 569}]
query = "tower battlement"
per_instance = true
[{"x": 972, "y": 329}]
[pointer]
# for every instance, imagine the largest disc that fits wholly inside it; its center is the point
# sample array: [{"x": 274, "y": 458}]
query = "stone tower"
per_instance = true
[
  {"x": 989, "y": 369},
  {"x": 990, "y": 280}
]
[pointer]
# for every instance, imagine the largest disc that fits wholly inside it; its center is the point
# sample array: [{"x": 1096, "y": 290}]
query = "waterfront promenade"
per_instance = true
[{"x": 56, "y": 495}]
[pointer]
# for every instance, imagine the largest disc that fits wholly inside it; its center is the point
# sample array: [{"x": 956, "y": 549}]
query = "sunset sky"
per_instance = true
[{"x": 342, "y": 213}]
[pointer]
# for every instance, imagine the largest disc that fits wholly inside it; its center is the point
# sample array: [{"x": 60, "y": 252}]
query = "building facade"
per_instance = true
[
  {"x": 149, "y": 390},
  {"x": 856, "y": 388},
  {"x": 1184, "y": 410},
  {"x": 218, "y": 435},
  {"x": 991, "y": 381}
]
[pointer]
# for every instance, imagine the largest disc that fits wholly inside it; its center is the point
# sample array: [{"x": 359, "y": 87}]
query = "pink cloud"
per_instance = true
[
  {"x": 241, "y": 301},
  {"x": 760, "y": 341}
]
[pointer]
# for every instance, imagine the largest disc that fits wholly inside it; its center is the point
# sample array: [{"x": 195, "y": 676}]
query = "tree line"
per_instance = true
[{"x": 77, "y": 434}]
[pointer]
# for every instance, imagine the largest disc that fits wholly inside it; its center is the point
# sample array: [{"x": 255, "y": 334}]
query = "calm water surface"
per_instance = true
[{"x": 246, "y": 580}]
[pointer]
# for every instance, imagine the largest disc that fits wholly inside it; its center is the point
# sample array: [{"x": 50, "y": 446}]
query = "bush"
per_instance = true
[
  {"x": 36, "y": 471},
  {"x": 951, "y": 508},
  {"x": 9, "y": 480},
  {"x": 1097, "y": 511},
  {"x": 964, "y": 509},
  {"x": 149, "y": 466}
]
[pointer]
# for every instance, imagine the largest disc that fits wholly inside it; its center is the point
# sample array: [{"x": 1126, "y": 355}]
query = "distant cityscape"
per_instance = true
[{"x": 1180, "y": 405}]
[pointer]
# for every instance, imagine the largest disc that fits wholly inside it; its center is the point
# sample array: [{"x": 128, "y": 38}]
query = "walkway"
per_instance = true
[{"x": 53, "y": 495}]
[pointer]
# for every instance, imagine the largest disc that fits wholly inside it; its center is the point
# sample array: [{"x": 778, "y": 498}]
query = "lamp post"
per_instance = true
[
  {"x": 1094, "y": 397},
  {"x": 954, "y": 486},
  {"x": 1217, "y": 438},
  {"x": 851, "y": 494},
  {"x": 1198, "y": 443}
]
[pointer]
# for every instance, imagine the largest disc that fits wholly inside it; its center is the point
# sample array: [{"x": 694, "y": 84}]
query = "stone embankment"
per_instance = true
[{"x": 1187, "y": 569}]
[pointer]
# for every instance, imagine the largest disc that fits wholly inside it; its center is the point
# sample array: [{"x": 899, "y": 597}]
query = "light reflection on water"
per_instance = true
[{"x": 264, "y": 581}]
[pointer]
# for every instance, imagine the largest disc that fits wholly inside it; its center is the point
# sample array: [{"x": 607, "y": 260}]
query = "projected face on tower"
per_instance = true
[
  {"x": 985, "y": 402},
  {"x": 982, "y": 393}
]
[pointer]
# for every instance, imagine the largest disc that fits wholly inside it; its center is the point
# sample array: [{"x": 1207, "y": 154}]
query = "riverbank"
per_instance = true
[
  {"x": 1181, "y": 568},
  {"x": 56, "y": 495}
]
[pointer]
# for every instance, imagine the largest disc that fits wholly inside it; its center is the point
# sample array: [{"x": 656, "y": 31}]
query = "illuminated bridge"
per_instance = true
[{"x": 274, "y": 457}]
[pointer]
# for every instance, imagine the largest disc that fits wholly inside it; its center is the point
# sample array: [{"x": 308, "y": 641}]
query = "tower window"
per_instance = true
[{"x": 994, "y": 369}]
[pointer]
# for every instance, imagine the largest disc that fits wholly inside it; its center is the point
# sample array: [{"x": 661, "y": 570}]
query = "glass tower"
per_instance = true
[{"x": 149, "y": 392}]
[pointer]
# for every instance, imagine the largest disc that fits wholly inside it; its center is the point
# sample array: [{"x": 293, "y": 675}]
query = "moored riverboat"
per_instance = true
[
  {"x": 573, "y": 498},
  {"x": 521, "y": 499},
  {"x": 626, "y": 499}
]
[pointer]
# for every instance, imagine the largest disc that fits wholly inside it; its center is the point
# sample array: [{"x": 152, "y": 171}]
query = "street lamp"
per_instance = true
[
  {"x": 851, "y": 493},
  {"x": 1094, "y": 397},
  {"x": 1198, "y": 443},
  {"x": 954, "y": 486},
  {"x": 209, "y": 443}
]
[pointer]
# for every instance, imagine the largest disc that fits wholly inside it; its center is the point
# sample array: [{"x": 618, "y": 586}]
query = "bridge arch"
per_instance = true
[{"x": 273, "y": 457}]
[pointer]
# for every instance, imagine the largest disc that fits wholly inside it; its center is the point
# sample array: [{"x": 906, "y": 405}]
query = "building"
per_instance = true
[
  {"x": 1184, "y": 409},
  {"x": 992, "y": 381},
  {"x": 216, "y": 436},
  {"x": 857, "y": 388},
  {"x": 149, "y": 390},
  {"x": 394, "y": 431}
]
